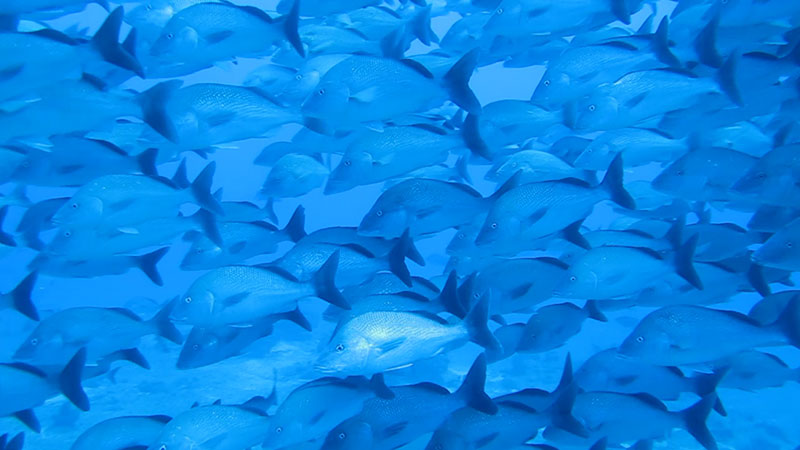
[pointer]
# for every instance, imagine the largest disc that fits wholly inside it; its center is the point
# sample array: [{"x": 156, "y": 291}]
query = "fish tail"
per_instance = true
[
  {"x": 788, "y": 323},
  {"x": 472, "y": 388},
  {"x": 695, "y": 417},
  {"x": 755, "y": 275},
  {"x": 201, "y": 190},
  {"x": 180, "y": 179},
  {"x": 153, "y": 103},
  {"x": 706, "y": 44},
  {"x": 164, "y": 326},
  {"x": 560, "y": 411},
  {"x": 421, "y": 26},
  {"x": 456, "y": 82},
  {"x": 726, "y": 76},
  {"x": 476, "y": 323},
  {"x": 269, "y": 210},
  {"x": 5, "y": 238},
  {"x": 462, "y": 169},
  {"x": 147, "y": 264},
  {"x": 295, "y": 228},
  {"x": 106, "y": 42},
  {"x": 147, "y": 162},
  {"x": 705, "y": 384},
  {"x": 449, "y": 296},
  {"x": 397, "y": 258},
  {"x": 412, "y": 252},
  {"x": 208, "y": 223},
  {"x": 290, "y": 25},
  {"x": 378, "y": 385},
  {"x": 325, "y": 285},
  {"x": 69, "y": 381},
  {"x": 132, "y": 355},
  {"x": 21, "y": 297},
  {"x": 572, "y": 233},
  {"x": 661, "y": 45},
  {"x": 471, "y": 134},
  {"x": 15, "y": 443},
  {"x": 612, "y": 182},
  {"x": 594, "y": 311},
  {"x": 684, "y": 266},
  {"x": 601, "y": 444},
  {"x": 296, "y": 316}
]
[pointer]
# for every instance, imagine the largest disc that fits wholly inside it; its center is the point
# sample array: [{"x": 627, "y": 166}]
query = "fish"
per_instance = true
[
  {"x": 754, "y": 370},
  {"x": 206, "y": 346},
  {"x": 377, "y": 156},
  {"x": 377, "y": 341},
  {"x": 125, "y": 200},
  {"x": 640, "y": 147},
  {"x": 778, "y": 251},
  {"x": 19, "y": 298},
  {"x": 14, "y": 7},
  {"x": 240, "y": 241},
  {"x": 202, "y": 34},
  {"x": 26, "y": 387},
  {"x": 355, "y": 91},
  {"x": 57, "y": 266},
  {"x": 536, "y": 210},
  {"x": 242, "y": 294},
  {"x": 121, "y": 432},
  {"x": 335, "y": 400},
  {"x": 15, "y": 443},
  {"x": 687, "y": 334},
  {"x": 372, "y": 428},
  {"x": 773, "y": 177},
  {"x": 293, "y": 176},
  {"x": 321, "y": 8},
  {"x": 377, "y": 22},
  {"x": 99, "y": 331},
  {"x": 150, "y": 18},
  {"x": 535, "y": 166},
  {"x": 214, "y": 426},
  {"x": 769, "y": 308}
]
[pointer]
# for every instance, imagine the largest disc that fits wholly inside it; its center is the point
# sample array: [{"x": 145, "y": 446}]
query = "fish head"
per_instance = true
[
  {"x": 596, "y": 156},
  {"x": 553, "y": 89},
  {"x": 284, "y": 432},
  {"x": 346, "y": 175},
  {"x": 679, "y": 178},
  {"x": 347, "y": 352},
  {"x": 66, "y": 242},
  {"x": 301, "y": 86},
  {"x": 497, "y": 228},
  {"x": 648, "y": 338},
  {"x": 781, "y": 250},
  {"x": 41, "y": 347},
  {"x": 350, "y": 434},
  {"x": 152, "y": 14},
  {"x": 201, "y": 348},
  {"x": 596, "y": 113},
  {"x": 328, "y": 100},
  {"x": 580, "y": 280},
  {"x": 201, "y": 255},
  {"x": 444, "y": 439},
  {"x": 384, "y": 221},
  {"x": 462, "y": 243},
  {"x": 753, "y": 181},
  {"x": 174, "y": 440},
  {"x": 176, "y": 41},
  {"x": 80, "y": 209},
  {"x": 196, "y": 307},
  {"x": 508, "y": 15}
]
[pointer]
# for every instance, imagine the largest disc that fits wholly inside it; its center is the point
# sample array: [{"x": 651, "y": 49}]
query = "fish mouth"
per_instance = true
[{"x": 328, "y": 370}]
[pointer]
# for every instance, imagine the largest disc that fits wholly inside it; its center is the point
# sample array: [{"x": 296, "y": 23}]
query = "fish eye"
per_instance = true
[
  {"x": 170, "y": 35},
  {"x": 34, "y": 342},
  {"x": 546, "y": 83},
  {"x": 199, "y": 250},
  {"x": 195, "y": 347},
  {"x": 340, "y": 348},
  {"x": 789, "y": 244},
  {"x": 278, "y": 429},
  {"x": 640, "y": 339},
  {"x": 163, "y": 447},
  {"x": 75, "y": 206},
  {"x": 67, "y": 234},
  {"x": 188, "y": 300},
  {"x": 347, "y": 162},
  {"x": 321, "y": 92},
  {"x": 342, "y": 436},
  {"x": 679, "y": 173},
  {"x": 379, "y": 213},
  {"x": 298, "y": 77},
  {"x": 592, "y": 108},
  {"x": 148, "y": 7},
  {"x": 762, "y": 175},
  {"x": 493, "y": 225},
  {"x": 476, "y": 295},
  {"x": 573, "y": 278},
  {"x": 461, "y": 236},
  {"x": 499, "y": 11}
]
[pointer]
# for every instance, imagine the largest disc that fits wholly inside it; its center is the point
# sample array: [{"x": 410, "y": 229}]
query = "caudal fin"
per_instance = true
[
  {"x": 69, "y": 381},
  {"x": 147, "y": 162},
  {"x": 612, "y": 182},
  {"x": 15, "y": 443},
  {"x": 154, "y": 108},
  {"x": 684, "y": 262},
  {"x": 21, "y": 297},
  {"x": 106, "y": 42},
  {"x": 164, "y": 326},
  {"x": 471, "y": 389},
  {"x": 594, "y": 312},
  {"x": 471, "y": 134},
  {"x": 148, "y": 264},
  {"x": 449, "y": 296},
  {"x": 5, "y": 238},
  {"x": 456, "y": 82},
  {"x": 208, "y": 223},
  {"x": 560, "y": 411},
  {"x": 325, "y": 284},
  {"x": 201, "y": 190},
  {"x": 397, "y": 258},
  {"x": 789, "y": 321},
  {"x": 476, "y": 323},
  {"x": 421, "y": 26},
  {"x": 695, "y": 418},
  {"x": 290, "y": 25},
  {"x": 706, "y": 383},
  {"x": 296, "y": 227}
]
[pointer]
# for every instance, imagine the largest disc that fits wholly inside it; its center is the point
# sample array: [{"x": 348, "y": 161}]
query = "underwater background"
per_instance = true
[{"x": 545, "y": 136}]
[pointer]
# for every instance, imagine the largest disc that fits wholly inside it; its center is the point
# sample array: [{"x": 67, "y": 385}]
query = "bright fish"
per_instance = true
[
  {"x": 240, "y": 241},
  {"x": 26, "y": 387},
  {"x": 101, "y": 331},
  {"x": 335, "y": 400},
  {"x": 357, "y": 90},
  {"x": 57, "y": 266},
  {"x": 294, "y": 175},
  {"x": 536, "y": 210},
  {"x": 683, "y": 334},
  {"x": 393, "y": 422},
  {"x": 379, "y": 155},
  {"x": 244, "y": 294},
  {"x": 221, "y": 427},
  {"x": 205, "y": 114},
  {"x": 121, "y": 433},
  {"x": 640, "y": 146},
  {"x": 124, "y": 200},
  {"x": 781, "y": 250},
  {"x": 374, "y": 342},
  {"x": 205, "y": 33},
  {"x": 19, "y": 298}
]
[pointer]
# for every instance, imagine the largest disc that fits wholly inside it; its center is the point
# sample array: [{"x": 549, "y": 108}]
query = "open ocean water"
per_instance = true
[{"x": 368, "y": 224}]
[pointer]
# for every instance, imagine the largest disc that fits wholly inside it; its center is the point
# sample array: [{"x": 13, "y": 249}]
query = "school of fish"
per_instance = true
[{"x": 457, "y": 200}]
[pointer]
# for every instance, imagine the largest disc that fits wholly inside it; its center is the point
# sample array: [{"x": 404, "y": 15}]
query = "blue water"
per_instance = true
[{"x": 760, "y": 419}]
